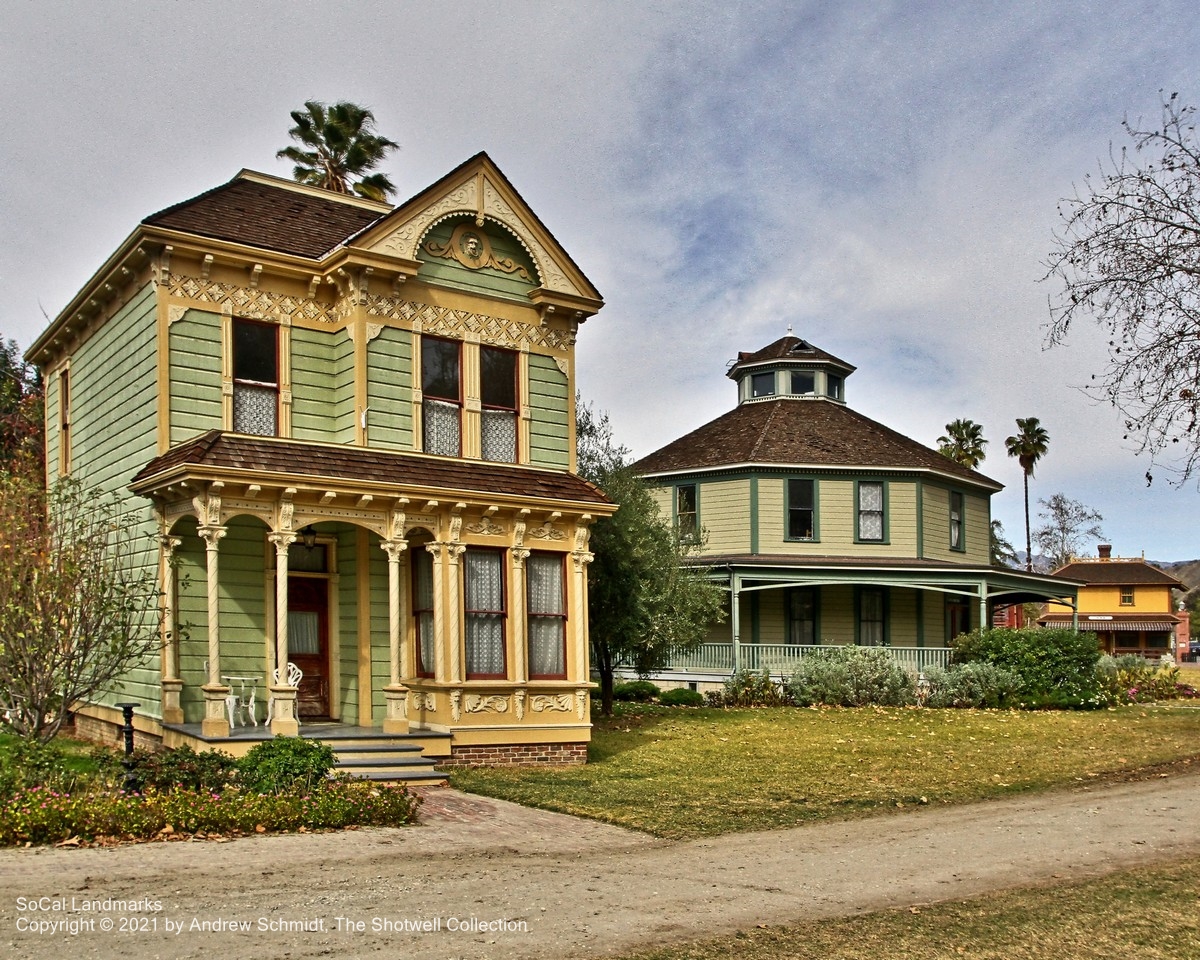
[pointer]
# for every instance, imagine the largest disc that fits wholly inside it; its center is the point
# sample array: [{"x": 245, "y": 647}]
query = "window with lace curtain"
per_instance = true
[
  {"x": 546, "y": 612},
  {"x": 422, "y": 603},
  {"x": 255, "y": 378},
  {"x": 498, "y": 396},
  {"x": 483, "y": 590},
  {"x": 441, "y": 393},
  {"x": 872, "y": 525}
]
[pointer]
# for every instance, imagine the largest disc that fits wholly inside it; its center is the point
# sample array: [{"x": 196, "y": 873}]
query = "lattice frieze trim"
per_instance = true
[
  {"x": 447, "y": 321},
  {"x": 255, "y": 304}
]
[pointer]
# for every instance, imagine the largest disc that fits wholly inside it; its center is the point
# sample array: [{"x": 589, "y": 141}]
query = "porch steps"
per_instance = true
[{"x": 373, "y": 755}]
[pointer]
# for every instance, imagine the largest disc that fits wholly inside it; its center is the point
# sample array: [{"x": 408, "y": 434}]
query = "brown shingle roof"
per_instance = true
[
  {"x": 1127, "y": 623},
  {"x": 800, "y": 432},
  {"x": 268, "y": 216},
  {"x": 1118, "y": 572},
  {"x": 224, "y": 451},
  {"x": 790, "y": 348}
]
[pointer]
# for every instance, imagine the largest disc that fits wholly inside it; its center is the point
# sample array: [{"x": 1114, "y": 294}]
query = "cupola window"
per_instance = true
[
  {"x": 804, "y": 383},
  {"x": 833, "y": 386},
  {"x": 762, "y": 385}
]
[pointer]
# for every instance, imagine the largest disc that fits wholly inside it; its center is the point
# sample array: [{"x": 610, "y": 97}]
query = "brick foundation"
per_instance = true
[
  {"x": 515, "y": 755},
  {"x": 110, "y": 734}
]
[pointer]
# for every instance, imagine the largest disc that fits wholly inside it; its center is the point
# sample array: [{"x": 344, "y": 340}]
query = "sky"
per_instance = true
[{"x": 881, "y": 177}]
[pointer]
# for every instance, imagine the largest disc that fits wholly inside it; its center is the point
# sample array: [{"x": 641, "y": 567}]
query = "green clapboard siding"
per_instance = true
[
  {"x": 548, "y": 427},
  {"x": 450, "y": 273},
  {"x": 313, "y": 406},
  {"x": 53, "y": 427},
  {"x": 344, "y": 414},
  {"x": 195, "y": 352},
  {"x": 389, "y": 389},
  {"x": 347, "y": 561},
  {"x": 380, "y": 648},
  {"x": 114, "y": 432}
]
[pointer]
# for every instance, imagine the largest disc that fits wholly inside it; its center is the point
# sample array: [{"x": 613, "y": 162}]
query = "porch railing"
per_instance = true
[{"x": 783, "y": 658}]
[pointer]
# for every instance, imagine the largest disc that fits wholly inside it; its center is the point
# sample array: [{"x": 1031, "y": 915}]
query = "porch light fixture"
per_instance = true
[{"x": 309, "y": 536}]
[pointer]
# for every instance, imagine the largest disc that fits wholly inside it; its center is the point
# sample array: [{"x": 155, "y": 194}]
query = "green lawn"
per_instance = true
[{"x": 683, "y": 773}]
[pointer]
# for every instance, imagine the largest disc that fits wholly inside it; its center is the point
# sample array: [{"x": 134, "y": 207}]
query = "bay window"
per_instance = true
[
  {"x": 483, "y": 575},
  {"x": 546, "y": 611}
]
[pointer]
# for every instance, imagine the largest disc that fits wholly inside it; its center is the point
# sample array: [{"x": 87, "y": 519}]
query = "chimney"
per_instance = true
[{"x": 1105, "y": 551}]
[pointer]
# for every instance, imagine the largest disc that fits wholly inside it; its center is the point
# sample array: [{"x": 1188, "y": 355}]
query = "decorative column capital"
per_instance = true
[
  {"x": 211, "y": 534},
  {"x": 519, "y": 556},
  {"x": 582, "y": 559},
  {"x": 393, "y": 549},
  {"x": 169, "y": 545},
  {"x": 282, "y": 540}
]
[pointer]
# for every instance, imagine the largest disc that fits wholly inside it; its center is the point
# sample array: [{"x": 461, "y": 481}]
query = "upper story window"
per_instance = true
[
  {"x": 498, "y": 394},
  {"x": 483, "y": 591},
  {"x": 255, "y": 378},
  {"x": 64, "y": 422},
  {"x": 802, "y": 509},
  {"x": 1127, "y": 596},
  {"x": 833, "y": 386},
  {"x": 804, "y": 382},
  {"x": 687, "y": 514},
  {"x": 546, "y": 608},
  {"x": 441, "y": 396},
  {"x": 872, "y": 526},
  {"x": 762, "y": 384},
  {"x": 956, "y": 521}
]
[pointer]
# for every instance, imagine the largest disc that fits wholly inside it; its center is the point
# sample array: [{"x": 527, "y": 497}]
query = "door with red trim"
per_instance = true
[{"x": 308, "y": 643}]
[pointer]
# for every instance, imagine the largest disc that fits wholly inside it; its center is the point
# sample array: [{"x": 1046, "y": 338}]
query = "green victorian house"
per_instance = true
[
  {"x": 827, "y": 527},
  {"x": 345, "y": 432}
]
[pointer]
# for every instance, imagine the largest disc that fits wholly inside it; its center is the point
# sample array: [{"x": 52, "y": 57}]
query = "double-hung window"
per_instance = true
[
  {"x": 872, "y": 617},
  {"x": 64, "y": 422},
  {"x": 483, "y": 575},
  {"x": 498, "y": 394},
  {"x": 872, "y": 526},
  {"x": 255, "y": 378},
  {"x": 802, "y": 510},
  {"x": 687, "y": 521},
  {"x": 956, "y": 521},
  {"x": 422, "y": 568},
  {"x": 762, "y": 384},
  {"x": 802, "y": 615},
  {"x": 1127, "y": 596},
  {"x": 546, "y": 610},
  {"x": 441, "y": 396}
]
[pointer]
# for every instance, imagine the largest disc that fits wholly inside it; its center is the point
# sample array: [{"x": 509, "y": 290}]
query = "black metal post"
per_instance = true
[{"x": 127, "y": 711}]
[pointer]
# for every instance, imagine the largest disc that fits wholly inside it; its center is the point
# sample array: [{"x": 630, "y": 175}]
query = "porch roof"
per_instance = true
[
  {"x": 217, "y": 454},
  {"x": 1013, "y": 586},
  {"x": 1116, "y": 623}
]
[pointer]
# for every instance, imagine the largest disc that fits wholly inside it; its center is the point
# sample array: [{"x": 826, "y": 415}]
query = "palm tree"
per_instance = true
[
  {"x": 1028, "y": 446},
  {"x": 338, "y": 145},
  {"x": 963, "y": 443}
]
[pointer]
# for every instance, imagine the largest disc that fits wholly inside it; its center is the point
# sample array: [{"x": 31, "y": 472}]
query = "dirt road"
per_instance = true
[{"x": 487, "y": 879}]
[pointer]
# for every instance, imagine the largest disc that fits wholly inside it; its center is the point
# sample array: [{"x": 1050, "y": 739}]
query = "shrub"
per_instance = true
[
  {"x": 746, "y": 688},
  {"x": 1056, "y": 667},
  {"x": 978, "y": 684},
  {"x": 182, "y": 767},
  {"x": 847, "y": 676},
  {"x": 681, "y": 697},
  {"x": 26, "y": 763},
  {"x": 1132, "y": 679},
  {"x": 637, "y": 691},
  {"x": 285, "y": 765}
]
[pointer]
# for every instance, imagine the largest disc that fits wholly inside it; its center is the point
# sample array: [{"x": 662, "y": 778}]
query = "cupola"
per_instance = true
[{"x": 790, "y": 368}]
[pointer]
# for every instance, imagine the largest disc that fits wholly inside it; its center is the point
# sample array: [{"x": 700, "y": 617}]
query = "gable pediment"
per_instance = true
[{"x": 478, "y": 190}]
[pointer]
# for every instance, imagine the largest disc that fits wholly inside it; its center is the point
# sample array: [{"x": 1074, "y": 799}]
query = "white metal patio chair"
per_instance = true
[{"x": 294, "y": 676}]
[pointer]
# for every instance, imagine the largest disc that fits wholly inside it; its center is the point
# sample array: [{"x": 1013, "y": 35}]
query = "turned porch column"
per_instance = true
[
  {"x": 395, "y": 693},
  {"x": 216, "y": 722},
  {"x": 172, "y": 685},
  {"x": 283, "y": 695}
]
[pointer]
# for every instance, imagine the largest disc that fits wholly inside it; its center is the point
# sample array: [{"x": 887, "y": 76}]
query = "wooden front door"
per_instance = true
[{"x": 308, "y": 642}]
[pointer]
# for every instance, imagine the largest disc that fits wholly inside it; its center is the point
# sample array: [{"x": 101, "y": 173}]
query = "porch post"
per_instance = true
[
  {"x": 172, "y": 711},
  {"x": 438, "y": 552},
  {"x": 395, "y": 693},
  {"x": 283, "y": 714},
  {"x": 215, "y": 722},
  {"x": 984, "y": 623},
  {"x": 735, "y": 584},
  {"x": 454, "y": 633},
  {"x": 520, "y": 618}
]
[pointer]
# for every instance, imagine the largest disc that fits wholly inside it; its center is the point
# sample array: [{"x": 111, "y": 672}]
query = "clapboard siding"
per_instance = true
[
  {"x": 389, "y": 389},
  {"x": 549, "y": 395},
  {"x": 313, "y": 385},
  {"x": 195, "y": 366}
]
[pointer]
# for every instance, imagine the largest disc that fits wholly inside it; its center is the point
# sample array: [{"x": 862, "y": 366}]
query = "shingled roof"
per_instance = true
[
  {"x": 787, "y": 348},
  {"x": 1118, "y": 571},
  {"x": 215, "y": 450},
  {"x": 261, "y": 214},
  {"x": 800, "y": 432}
]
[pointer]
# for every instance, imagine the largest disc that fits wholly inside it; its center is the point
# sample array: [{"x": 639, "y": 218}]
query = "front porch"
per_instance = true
[{"x": 782, "y": 659}]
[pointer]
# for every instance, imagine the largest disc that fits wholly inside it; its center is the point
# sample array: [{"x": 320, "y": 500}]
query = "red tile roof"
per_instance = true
[
  {"x": 314, "y": 462},
  {"x": 271, "y": 217},
  {"x": 798, "y": 433}
]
